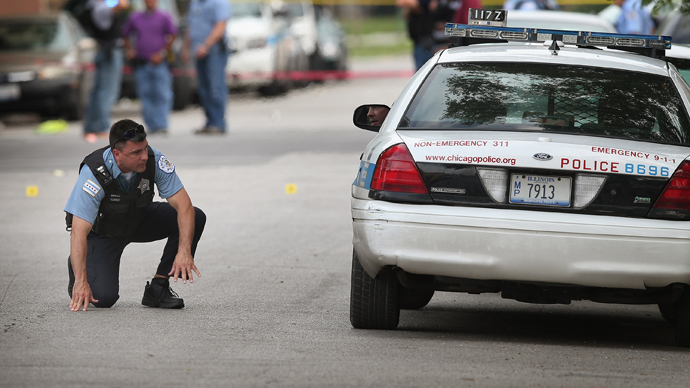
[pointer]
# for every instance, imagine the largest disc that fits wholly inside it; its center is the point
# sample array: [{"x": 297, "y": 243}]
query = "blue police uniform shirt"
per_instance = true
[
  {"x": 202, "y": 16},
  {"x": 634, "y": 19},
  {"x": 87, "y": 193}
]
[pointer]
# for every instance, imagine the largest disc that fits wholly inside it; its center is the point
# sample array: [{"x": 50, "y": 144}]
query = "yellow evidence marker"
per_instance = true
[{"x": 32, "y": 191}]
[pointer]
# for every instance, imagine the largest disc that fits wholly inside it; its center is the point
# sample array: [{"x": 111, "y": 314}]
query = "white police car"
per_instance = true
[{"x": 549, "y": 171}]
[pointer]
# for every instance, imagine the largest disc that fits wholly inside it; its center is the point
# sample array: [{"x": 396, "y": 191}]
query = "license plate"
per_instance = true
[
  {"x": 9, "y": 92},
  {"x": 540, "y": 190}
]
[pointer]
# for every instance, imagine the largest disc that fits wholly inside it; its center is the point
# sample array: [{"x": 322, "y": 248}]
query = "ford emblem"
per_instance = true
[{"x": 542, "y": 156}]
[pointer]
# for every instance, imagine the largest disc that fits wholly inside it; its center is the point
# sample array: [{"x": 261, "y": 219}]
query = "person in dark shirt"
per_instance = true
[
  {"x": 106, "y": 28},
  {"x": 420, "y": 26},
  {"x": 426, "y": 21}
]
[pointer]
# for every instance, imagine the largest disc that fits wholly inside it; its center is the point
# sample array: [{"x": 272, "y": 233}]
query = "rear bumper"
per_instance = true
[{"x": 524, "y": 246}]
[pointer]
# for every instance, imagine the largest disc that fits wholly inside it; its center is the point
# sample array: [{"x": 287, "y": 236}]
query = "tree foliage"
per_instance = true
[{"x": 682, "y": 5}]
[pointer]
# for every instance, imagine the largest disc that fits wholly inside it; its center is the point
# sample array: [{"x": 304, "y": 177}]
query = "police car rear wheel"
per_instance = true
[
  {"x": 683, "y": 319},
  {"x": 373, "y": 301}
]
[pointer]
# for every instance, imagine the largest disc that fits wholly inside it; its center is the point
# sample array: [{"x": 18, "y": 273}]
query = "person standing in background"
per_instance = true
[
  {"x": 444, "y": 12},
  {"x": 205, "y": 39},
  {"x": 426, "y": 21},
  {"x": 154, "y": 31},
  {"x": 634, "y": 19},
  {"x": 106, "y": 19},
  {"x": 420, "y": 28},
  {"x": 463, "y": 12}
]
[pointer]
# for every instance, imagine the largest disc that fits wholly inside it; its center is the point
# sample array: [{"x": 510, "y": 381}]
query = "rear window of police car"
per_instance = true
[{"x": 550, "y": 98}]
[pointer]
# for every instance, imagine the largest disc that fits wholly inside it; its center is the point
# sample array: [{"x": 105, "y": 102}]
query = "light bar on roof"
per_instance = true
[{"x": 538, "y": 35}]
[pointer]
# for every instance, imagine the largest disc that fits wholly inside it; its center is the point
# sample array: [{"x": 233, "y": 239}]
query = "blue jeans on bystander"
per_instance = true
[
  {"x": 213, "y": 92},
  {"x": 105, "y": 91},
  {"x": 421, "y": 55},
  {"x": 154, "y": 89}
]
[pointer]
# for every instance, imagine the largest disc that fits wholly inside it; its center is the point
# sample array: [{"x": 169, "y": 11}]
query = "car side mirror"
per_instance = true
[{"x": 370, "y": 117}]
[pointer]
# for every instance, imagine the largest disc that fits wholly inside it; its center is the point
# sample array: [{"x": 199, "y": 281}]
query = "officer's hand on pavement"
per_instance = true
[
  {"x": 81, "y": 295},
  {"x": 182, "y": 268}
]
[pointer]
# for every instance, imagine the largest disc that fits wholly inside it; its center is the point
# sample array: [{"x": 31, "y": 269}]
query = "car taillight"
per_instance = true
[
  {"x": 677, "y": 193},
  {"x": 396, "y": 171}
]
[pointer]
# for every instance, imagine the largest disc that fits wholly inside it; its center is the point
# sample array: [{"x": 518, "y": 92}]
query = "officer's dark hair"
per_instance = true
[{"x": 122, "y": 127}]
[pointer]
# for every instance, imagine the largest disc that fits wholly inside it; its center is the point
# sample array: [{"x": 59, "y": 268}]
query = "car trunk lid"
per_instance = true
[{"x": 543, "y": 171}]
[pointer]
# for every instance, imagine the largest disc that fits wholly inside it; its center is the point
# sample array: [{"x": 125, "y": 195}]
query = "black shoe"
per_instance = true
[
  {"x": 210, "y": 130},
  {"x": 159, "y": 294},
  {"x": 70, "y": 285}
]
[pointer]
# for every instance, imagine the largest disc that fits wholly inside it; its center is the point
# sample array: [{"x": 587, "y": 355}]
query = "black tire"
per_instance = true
[
  {"x": 275, "y": 88},
  {"x": 373, "y": 301},
  {"x": 316, "y": 61},
  {"x": 316, "y": 64},
  {"x": 414, "y": 298},
  {"x": 75, "y": 108},
  {"x": 683, "y": 319},
  {"x": 280, "y": 84},
  {"x": 668, "y": 312},
  {"x": 182, "y": 93}
]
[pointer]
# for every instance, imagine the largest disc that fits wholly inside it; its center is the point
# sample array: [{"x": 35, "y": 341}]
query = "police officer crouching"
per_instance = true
[{"x": 111, "y": 205}]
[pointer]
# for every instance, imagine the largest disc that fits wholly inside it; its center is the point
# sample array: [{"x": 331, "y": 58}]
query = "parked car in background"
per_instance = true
[
  {"x": 46, "y": 65},
  {"x": 664, "y": 12},
  {"x": 677, "y": 26},
  {"x": 679, "y": 56},
  {"x": 331, "y": 46},
  {"x": 303, "y": 27},
  {"x": 264, "y": 54},
  {"x": 183, "y": 73}
]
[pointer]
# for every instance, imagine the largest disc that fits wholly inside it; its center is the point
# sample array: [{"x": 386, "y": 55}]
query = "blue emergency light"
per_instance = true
[{"x": 538, "y": 35}]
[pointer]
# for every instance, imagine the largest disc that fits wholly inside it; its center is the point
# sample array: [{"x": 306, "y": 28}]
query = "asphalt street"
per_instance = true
[{"x": 272, "y": 305}]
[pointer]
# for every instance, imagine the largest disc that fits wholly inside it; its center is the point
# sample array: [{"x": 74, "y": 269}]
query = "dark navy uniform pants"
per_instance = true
[{"x": 103, "y": 253}]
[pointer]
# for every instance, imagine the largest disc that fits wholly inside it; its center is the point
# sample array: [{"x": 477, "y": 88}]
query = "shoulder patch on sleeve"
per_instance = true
[
  {"x": 165, "y": 165},
  {"x": 91, "y": 187}
]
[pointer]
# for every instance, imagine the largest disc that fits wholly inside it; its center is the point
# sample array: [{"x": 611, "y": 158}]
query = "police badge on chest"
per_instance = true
[{"x": 144, "y": 186}]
